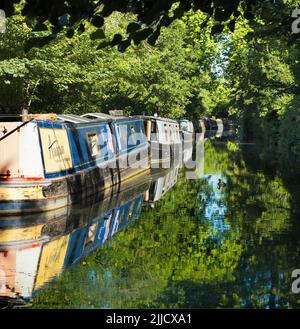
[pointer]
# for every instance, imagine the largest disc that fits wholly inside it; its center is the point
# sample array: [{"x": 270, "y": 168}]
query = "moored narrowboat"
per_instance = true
[
  {"x": 186, "y": 126},
  {"x": 50, "y": 161},
  {"x": 165, "y": 140},
  {"x": 187, "y": 131}
]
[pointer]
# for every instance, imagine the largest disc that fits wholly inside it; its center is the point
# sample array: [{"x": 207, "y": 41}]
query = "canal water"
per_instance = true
[{"x": 228, "y": 239}]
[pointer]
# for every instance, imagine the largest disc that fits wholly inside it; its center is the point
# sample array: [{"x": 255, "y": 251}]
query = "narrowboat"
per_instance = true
[
  {"x": 210, "y": 124},
  {"x": 33, "y": 255},
  {"x": 186, "y": 127},
  {"x": 188, "y": 138},
  {"x": 162, "y": 134},
  {"x": 165, "y": 141},
  {"x": 50, "y": 161}
]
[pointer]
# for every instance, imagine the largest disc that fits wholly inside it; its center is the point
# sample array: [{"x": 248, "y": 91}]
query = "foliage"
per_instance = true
[
  {"x": 151, "y": 16},
  {"x": 72, "y": 75},
  {"x": 263, "y": 69}
]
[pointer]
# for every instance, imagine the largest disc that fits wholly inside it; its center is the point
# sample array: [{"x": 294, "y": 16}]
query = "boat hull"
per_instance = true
[
  {"x": 165, "y": 155},
  {"x": 21, "y": 197}
]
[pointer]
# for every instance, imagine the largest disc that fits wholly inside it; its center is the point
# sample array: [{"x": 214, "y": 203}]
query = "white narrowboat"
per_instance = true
[
  {"x": 220, "y": 128},
  {"x": 165, "y": 140},
  {"x": 186, "y": 126}
]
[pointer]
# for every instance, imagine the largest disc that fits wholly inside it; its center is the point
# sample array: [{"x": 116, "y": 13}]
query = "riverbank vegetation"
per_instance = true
[
  {"x": 242, "y": 63},
  {"x": 71, "y": 75}
]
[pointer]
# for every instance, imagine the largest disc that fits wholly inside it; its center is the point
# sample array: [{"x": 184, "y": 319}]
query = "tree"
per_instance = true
[
  {"x": 73, "y": 76},
  {"x": 151, "y": 16}
]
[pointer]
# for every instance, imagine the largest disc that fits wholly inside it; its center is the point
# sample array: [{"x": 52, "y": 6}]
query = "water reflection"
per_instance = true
[
  {"x": 227, "y": 239},
  {"x": 212, "y": 205},
  {"x": 34, "y": 249}
]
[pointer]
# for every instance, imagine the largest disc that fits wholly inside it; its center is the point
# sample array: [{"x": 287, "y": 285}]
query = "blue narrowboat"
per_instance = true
[
  {"x": 163, "y": 136},
  {"x": 50, "y": 161}
]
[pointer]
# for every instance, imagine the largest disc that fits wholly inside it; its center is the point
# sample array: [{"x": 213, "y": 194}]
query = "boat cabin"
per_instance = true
[
  {"x": 186, "y": 126},
  {"x": 162, "y": 130},
  {"x": 164, "y": 138}
]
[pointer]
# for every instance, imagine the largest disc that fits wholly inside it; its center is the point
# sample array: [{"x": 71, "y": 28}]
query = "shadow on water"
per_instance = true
[{"x": 229, "y": 239}]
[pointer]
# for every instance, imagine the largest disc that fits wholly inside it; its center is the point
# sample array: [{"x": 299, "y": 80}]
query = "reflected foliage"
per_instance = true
[{"x": 200, "y": 246}]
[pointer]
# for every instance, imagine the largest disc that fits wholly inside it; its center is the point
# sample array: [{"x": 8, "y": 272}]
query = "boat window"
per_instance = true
[
  {"x": 91, "y": 235},
  {"x": 132, "y": 135},
  {"x": 131, "y": 208},
  {"x": 122, "y": 135},
  {"x": 153, "y": 127},
  {"x": 154, "y": 131},
  {"x": 93, "y": 143},
  {"x": 103, "y": 135},
  {"x": 166, "y": 133},
  {"x": 170, "y": 132},
  {"x": 142, "y": 133}
]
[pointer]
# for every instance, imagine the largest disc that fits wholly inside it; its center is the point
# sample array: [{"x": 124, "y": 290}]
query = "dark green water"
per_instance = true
[{"x": 200, "y": 245}]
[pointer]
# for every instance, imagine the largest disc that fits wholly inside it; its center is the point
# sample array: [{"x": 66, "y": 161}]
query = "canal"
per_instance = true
[{"x": 228, "y": 239}]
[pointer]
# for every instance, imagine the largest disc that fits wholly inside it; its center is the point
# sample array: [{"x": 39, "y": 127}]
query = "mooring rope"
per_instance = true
[{"x": 14, "y": 130}]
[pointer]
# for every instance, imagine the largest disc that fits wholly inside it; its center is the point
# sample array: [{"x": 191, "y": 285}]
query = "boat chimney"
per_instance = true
[{"x": 24, "y": 115}]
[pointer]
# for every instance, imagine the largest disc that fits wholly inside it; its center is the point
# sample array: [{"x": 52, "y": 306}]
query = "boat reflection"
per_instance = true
[
  {"x": 36, "y": 249},
  {"x": 162, "y": 182}
]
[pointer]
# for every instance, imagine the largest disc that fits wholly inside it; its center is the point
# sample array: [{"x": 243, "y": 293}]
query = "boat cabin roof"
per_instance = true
[
  {"x": 109, "y": 118},
  {"x": 93, "y": 116},
  {"x": 149, "y": 117},
  {"x": 102, "y": 116},
  {"x": 72, "y": 118}
]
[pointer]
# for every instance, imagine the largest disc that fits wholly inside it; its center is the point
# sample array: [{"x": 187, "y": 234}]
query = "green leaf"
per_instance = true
[
  {"x": 217, "y": 29},
  {"x": 98, "y": 34},
  {"x": 133, "y": 27},
  {"x": 116, "y": 39},
  {"x": 97, "y": 21}
]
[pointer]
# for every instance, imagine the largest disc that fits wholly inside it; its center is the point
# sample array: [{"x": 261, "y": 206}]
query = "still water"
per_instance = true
[{"x": 229, "y": 239}]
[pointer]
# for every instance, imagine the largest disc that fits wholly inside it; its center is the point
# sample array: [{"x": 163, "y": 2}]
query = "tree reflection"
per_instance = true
[{"x": 201, "y": 247}]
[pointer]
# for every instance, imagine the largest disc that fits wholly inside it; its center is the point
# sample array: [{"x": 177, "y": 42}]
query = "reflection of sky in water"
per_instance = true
[{"x": 213, "y": 208}]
